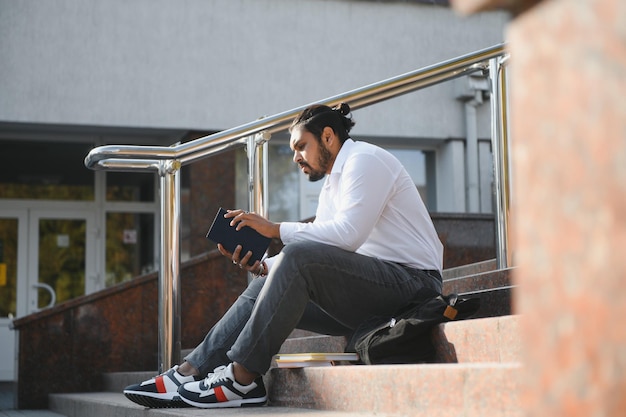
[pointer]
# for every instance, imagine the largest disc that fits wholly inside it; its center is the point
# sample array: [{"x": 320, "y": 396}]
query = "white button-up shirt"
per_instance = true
[{"x": 370, "y": 205}]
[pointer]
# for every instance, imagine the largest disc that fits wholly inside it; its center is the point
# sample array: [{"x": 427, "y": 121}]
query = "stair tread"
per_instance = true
[
  {"x": 470, "y": 269},
  {"x": 105, "y": 404},
  {"x": 346, "y": 391},
  {"x": 482, "y": 355},
  {"x": 422, "y": 389},
  {"x": 482, "y": 340}
]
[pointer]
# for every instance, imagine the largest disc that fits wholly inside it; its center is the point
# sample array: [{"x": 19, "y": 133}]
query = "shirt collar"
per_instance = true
[{"x": 342, "y": 155}]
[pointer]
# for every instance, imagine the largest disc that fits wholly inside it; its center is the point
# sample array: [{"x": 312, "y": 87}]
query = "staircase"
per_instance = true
[{"x": 479, "y": 361}]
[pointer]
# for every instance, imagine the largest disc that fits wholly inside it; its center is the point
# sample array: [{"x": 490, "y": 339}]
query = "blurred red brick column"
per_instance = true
[{"x": 568, "y": 135}]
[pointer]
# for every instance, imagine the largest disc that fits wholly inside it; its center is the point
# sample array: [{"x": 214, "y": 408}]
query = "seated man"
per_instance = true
[{"x": 371, "y": 247}]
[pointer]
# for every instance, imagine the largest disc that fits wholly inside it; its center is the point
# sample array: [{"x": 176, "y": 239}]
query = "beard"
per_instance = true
[{"x": 323, "y": 161}]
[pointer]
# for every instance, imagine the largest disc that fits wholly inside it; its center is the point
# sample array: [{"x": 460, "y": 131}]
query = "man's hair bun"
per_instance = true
[{"x": 342, "y": 108}]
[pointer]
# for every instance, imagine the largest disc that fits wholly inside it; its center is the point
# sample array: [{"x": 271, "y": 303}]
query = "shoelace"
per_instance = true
[{"x": 217, "y": 375}]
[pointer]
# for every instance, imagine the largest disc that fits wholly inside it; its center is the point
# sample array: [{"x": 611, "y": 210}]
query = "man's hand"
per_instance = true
[
  {"x": 241, "y": 218},
  {"x": 241, "y": 261}
]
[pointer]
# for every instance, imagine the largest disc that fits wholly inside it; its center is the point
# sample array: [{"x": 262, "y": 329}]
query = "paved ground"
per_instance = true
[
  {"x": 28, "y": 413},
  {"x": 7, "y": 408}
]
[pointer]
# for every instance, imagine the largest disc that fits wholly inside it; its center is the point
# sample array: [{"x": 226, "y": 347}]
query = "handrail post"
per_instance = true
[
  {"x": 500, "y": 145},
  {"x": 169, "y": 268},
  {"x": 257, "y": 151}
]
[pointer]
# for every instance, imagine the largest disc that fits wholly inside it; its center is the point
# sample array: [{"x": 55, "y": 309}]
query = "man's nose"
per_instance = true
[{"x": 297, "y": 157}]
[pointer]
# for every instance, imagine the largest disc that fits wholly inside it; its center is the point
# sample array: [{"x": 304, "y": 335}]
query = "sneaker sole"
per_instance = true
[
  {"x": 152, "y": 402},
  {"x": 252, "y": 402}
]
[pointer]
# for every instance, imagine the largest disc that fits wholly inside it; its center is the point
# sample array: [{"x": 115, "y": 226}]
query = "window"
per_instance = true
[
  {"x": 130, "y": 186},
  {"x": 129, "y": 246},
  {"x": 45, "y": 171}
]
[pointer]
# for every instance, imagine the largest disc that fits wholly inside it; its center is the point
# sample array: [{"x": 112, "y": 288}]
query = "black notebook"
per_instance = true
[{"x": 250, "y": 240}]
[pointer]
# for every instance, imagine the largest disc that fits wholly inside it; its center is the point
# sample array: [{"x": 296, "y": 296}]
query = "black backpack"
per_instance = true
[{"x": 406, "y": 337}]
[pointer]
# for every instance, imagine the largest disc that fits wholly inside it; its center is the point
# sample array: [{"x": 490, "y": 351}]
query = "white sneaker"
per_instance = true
[
  {"x": 220, "y": 390},
  {"x": 160, "y": 391}
]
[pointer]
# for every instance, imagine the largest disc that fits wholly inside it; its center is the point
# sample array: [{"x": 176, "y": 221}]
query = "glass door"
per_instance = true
[
  {"x": 46, "y": 257},
  {"x": 12, "y": 282},
  {"x": 61, "y": 257}
]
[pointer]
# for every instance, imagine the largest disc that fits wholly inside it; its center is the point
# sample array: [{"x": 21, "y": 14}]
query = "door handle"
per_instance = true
[{"x": 53, "y": 295}]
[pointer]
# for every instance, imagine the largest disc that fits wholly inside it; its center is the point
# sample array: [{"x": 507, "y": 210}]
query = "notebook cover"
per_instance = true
[
  {"x": 316, "y": 356},
  {"x": 303, "y": 360},
  {"x": 222, "y": 232}
]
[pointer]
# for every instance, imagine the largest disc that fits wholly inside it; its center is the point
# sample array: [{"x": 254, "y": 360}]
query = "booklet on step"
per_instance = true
[{"x": 303, "y": 360}]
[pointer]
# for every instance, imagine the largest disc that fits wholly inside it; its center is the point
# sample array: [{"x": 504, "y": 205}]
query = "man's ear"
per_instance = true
[{"x": 328, "y": 134}]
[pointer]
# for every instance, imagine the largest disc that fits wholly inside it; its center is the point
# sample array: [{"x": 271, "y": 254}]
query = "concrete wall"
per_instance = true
[{"x": 210, "y": 65}]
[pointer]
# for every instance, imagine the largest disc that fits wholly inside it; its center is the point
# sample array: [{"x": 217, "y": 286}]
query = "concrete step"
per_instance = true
[
  {"x": 478, "y": 377},
  {"x": 490, "y": 339},
  {"x": 493, "y": 302},
  {"x": 468, "y": 390},
  {"x": 494, "y": 288},
  {"x": 470, "y": 269},
  {"x": 117, "y": 381},
  {"x": 108, "y": 404},
  {"x": 433, "y": 390},
  {"x": 485, "y": 340},
  {"x": 479, "y": 281}
]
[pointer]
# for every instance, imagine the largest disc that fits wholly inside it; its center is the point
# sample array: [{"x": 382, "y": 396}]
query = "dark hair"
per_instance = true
[{"x": 316, "y": 117}]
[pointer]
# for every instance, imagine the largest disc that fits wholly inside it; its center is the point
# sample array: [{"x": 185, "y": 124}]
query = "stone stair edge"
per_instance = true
[
  {"x": 478, "y": 275},
  {"x": 419, "y": 389},
  {"x": 415, "y": 389},
  {"x": 488, "y": 290},
  {"x": 488, "y": 337},
  {"x": 469, "y": 269},
  {"x": 105, "y": 404}
]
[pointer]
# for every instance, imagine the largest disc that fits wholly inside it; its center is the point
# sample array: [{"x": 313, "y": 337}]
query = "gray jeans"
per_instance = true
[{"x": 311, "y": 286}]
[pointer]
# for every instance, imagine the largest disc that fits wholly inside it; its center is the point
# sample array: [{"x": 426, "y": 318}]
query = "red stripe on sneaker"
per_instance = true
[
  {"x": 160, "y": 385},
  {"x": 219, "y": 394}
]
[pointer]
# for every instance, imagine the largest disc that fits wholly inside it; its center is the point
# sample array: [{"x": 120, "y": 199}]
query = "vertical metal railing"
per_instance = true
[
  {"x": 258, "y": 171},
  {"x": 257, "y": 151},
  {"x": 501, "y": 162},
  {"x": 169, "y": 267},
  {"x": 167, "y": 161}
]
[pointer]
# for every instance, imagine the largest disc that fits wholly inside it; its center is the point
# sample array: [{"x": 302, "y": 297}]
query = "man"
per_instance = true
[{"x": 371, "y": 247}]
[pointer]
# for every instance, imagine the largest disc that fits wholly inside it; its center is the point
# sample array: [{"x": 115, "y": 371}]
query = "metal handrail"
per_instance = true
[
  {"x": 361, "y": 97},
  {"x": 168, "y": 160}
]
